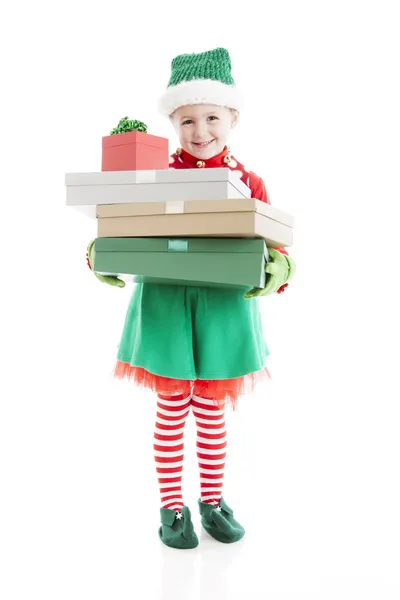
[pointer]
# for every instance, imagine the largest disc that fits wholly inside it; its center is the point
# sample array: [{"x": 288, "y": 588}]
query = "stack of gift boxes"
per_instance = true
[{"x": 175, "y": 226}]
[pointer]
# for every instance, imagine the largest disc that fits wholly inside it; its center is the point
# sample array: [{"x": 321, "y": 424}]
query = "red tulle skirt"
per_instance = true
[{"x": 224, "y": 391}]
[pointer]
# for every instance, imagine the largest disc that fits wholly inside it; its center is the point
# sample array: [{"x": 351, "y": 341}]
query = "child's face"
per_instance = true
[{"x": 203, "y": 129}]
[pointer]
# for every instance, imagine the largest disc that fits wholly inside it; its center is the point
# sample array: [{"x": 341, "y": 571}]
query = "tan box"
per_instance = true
[{"x": 242, "y": 218}]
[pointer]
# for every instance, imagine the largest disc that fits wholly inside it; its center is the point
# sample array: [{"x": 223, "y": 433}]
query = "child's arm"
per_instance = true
[
  {"x": 110, "y": 279},
  {"x": 258, "y": 191},
  {"x": 279, "y": 271}
]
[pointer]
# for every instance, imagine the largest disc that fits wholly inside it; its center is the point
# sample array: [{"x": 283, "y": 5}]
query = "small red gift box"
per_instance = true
[{"x": 134, "y": 151}]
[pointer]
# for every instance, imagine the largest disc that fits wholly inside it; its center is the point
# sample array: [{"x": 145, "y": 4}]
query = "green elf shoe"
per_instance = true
[
  {"x": 218, "y": 521},
  {"x": 177, "y": 529}
]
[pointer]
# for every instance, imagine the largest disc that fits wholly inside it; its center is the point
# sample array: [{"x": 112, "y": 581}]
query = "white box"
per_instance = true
[{"x": 87, "y": 190}]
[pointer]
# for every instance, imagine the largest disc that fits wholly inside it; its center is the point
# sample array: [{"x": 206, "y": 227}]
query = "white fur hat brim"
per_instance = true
[{"x": 199, "y": 91}]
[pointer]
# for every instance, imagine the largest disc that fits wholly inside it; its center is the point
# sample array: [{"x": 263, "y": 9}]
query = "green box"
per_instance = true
[{"x": 206, "y": 262}]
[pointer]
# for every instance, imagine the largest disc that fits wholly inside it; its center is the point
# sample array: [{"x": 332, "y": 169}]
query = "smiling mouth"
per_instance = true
[{"x": 203, "y": 144}]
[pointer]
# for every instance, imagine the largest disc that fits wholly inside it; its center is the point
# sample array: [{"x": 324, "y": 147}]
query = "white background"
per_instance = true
[{"x": 313, "y": 457}]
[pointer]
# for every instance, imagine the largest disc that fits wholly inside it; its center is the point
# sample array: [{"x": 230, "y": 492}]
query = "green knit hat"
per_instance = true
[{"x": 203, "y": 78}]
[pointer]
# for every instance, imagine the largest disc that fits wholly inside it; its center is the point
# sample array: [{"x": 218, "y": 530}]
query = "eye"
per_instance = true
[
  {"x": 213, "y": 117},
  {"x": 187, "y": 121}
]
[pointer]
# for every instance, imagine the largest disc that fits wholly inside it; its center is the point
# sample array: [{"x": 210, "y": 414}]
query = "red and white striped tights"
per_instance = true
[{"x": 172, "y": 412}]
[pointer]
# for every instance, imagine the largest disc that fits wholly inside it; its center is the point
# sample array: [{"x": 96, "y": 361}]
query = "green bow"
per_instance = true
[
  {"x": 280, "y": 269},
  {"x": 110, "y": 279}
]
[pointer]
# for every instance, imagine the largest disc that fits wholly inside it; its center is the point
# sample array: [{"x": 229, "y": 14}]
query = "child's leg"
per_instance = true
[
  {"x": 211, "y": 448},
  {"x": 172, "y": 412}
]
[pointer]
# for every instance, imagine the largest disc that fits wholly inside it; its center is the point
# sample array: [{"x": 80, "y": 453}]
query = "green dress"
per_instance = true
[{"x": 190, "y": 333}]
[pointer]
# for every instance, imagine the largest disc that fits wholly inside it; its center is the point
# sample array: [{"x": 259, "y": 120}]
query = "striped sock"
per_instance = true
[
  {"x": 172, "y": 412},
  {"x": 211, "y": 448}
]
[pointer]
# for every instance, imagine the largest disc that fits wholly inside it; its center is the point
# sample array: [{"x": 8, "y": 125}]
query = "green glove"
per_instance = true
[
  {"x": 292, "y": 268},
  {"x": 280, "y": 269},
  {"x": 110, "y": 279}
]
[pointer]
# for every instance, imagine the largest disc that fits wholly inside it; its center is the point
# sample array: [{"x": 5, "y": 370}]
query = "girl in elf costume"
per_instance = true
[{"x": 198, "y": 348}]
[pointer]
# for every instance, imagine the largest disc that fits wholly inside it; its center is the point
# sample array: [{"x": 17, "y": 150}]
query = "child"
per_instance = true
[{"x": 196, "y": 347}]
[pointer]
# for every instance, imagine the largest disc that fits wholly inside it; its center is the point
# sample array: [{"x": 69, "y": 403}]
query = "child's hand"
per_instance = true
[
  {"x": 110, "y": 279},
  {"x": 292, "y": 267},
  {"x": 280, "y": 269}
]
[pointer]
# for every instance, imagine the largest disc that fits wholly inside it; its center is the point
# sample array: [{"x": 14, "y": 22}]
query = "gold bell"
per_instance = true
[
  {"x": 179, "y": 151},
  {"x": 200, "y": 164}
]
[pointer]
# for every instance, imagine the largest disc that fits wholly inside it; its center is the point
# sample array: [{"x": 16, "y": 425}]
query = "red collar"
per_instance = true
[{"x": 210, "y": 163}]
